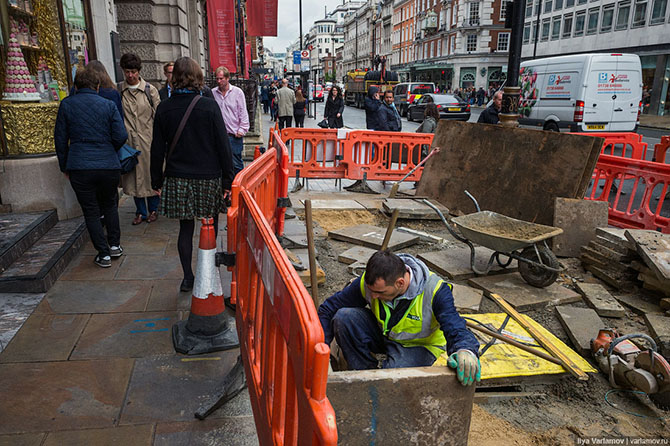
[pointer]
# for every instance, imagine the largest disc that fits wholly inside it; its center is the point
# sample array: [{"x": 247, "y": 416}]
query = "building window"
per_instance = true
[
  {"x": 567, "y": 25},
  {"x": 473, "y": 15},
  {"x": 558, "y": 4},
  {"x": 533, "y": 34},
  {"x": 453, "y": 45},
  {"x": 569, "y": 3},
  {"x": 658, "y": 11},
  {"x": 547, "y": 5},
  {"x": 581, "y": 2},
  {"x": 592, "y": 27},
  {"x": 503, "y": 9},
  {"x": 640, "y": 14},
  {"x": 526, "y": 33},
  {"x": 537, "y": 7},
  {"x": 580, "y": 19},
  {"x": 503, "y": 41},
  {"x": 529, "y": 9},
  {"x": 555, "y": 28},
  {"x": 471, "y": 44},
  {"x": 546, "y": 23},
  {"x": 608, "y": 18},
  {"x": 623, "y": 12}
]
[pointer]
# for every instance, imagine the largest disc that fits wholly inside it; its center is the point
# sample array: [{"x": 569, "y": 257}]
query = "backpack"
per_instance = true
[{"x": 147, "y": 91}]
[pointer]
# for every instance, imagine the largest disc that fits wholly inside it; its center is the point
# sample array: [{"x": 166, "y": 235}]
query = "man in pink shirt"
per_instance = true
[{"x": 233, "y": 106}]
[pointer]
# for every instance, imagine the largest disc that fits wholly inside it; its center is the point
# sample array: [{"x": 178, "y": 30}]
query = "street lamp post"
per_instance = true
[{"x": 509, "y": 114}]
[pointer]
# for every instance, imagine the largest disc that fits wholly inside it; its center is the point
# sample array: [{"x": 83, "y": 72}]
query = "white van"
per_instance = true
[{"x": 582, "y": 93}]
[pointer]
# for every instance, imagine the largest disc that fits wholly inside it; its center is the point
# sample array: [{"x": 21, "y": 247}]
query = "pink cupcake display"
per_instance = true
[{"x": 19, "y": 84}]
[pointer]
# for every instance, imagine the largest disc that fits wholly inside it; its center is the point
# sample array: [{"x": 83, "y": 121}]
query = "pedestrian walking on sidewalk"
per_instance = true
[
  {"x": 233, "y": 105},
  {"x": 265, "y": 98},
  {"x": 480, "y": 96},
  {"x": 334, "y": 108},
  {"x": 139, "y": 99},
  {"x": 198, "y": 160},
  {"x": 388, "y": 116},
  {"x": 399, "y": 310},
  {"x": 490, "y": 115},
  {"x": 430, "y": 118},
  {"x": 88, "y": 133},
  {"x": 285, "y": 100},
  {"x": 299, "y": 109},
  {"x": 166, "y": 91},
  {"x": 372, "y": 104}
]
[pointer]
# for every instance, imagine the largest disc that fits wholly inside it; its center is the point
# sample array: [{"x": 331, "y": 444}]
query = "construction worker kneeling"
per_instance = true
[{"x": 399, "y": 314}]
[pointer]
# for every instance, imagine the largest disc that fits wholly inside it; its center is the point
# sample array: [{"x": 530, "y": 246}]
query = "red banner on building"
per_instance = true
[
  {"x": 222, "y": 41},
  {"x": 262, "y": 17}
]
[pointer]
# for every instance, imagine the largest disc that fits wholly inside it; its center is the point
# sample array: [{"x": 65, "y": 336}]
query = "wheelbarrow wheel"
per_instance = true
[{"x": 535, "y": 275}]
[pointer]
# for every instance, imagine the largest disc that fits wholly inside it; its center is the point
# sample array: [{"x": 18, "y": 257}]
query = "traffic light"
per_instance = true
[
  {"x": 509, "y": 13},
  {"x": 285, "y": 70}
]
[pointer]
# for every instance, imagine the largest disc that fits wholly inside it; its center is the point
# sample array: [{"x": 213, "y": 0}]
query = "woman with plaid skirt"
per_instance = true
[{"x": 198, "y": 166}]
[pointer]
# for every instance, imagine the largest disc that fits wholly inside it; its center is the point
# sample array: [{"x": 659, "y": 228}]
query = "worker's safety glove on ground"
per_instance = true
[{"x": 468, "y": 368}]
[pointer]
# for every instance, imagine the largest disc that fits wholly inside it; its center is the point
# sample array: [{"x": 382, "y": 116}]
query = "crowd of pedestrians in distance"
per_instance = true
[{"x": 189, "y": 138}]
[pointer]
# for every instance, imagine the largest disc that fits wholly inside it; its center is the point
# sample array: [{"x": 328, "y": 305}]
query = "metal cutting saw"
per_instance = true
[{"x": 630, "y": 367}]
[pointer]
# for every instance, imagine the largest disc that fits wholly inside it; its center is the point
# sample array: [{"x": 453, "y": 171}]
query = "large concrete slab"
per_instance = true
[
  {"x": 112, "y": 436},
  {"x": 467, "y": 299},
  {"x": 154, "y": 245},
  {"x": 127, "y": 335},
  {"x": 347, "y": 205},
  {"x": 22, "y": 439},
  {"x": 638, "y": 305},
  {"x": 190, "y": 379},
  {"x": 165, "y": 296},
  {"x": 230, "y": 431},
  {"x": 83, "y": 268},
  {"x": 659, "y": 329},
  {"x": 521, "y": 295},
  {"x": 579, "y": 219},
  {"x": 101, "y": 296},
  {"x": 62, "y": 395},
  {"x": 373, "y": 236},
  {"x": 45, "y": 338},
  {"x": 582, "y": 325},
  {"x": 356, "y": 254},
  {"x": 600, "y": 299},
  {"x": 654, "y": 248},
  {"x": 413, "y": 209},
  {"x": 150, "y": 268},
  {"x": 412, "y": 406},
  {"x": 530, "y": 169},
  {"x": 15, "y": 308},
  {"x": 302, "y": 256},
  {"x": 454, "y": 262}
]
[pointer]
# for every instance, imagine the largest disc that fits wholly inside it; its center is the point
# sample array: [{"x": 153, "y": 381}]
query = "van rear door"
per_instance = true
[
  {"x": 599, "y": 95},
  {"x": 627, "y": 93}
]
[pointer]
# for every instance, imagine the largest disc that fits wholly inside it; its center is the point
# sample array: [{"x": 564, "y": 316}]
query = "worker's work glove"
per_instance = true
[{"x": 468, "y": 368}]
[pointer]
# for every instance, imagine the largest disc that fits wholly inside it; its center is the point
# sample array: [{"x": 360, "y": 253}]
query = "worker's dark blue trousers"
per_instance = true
[{"x": 359, "y": 336}]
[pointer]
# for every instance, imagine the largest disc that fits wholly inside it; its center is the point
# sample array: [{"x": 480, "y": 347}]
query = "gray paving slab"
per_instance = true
[
  {"x": 191, "y": 381},
  {"x": 659, "y": 329},
  {"x": 15, "y": 308},
  {"x": 150, "y": 268},
  {"x": 371, "y": 204},
  {"x": 233, "y": 431},
  {"x": 356, "y": 254},
  {"x": 582, "y": 325},
  {"x": 140, "y": 435},
  {"x": 412, "y": 209},
  {"x": 454, "y": 262},
  {"x": 22, "y": 439},
  {"x": 654, "y": 248},
  {"x": 127, "y": 335},
  {"x": 45, "y": 337},
  {"x": 83, "y": 268},
  {"x": 305, "y": 276},
  {"x": 600, "y": 299},
  {"x": 579, "y": 219},
  {"x": 165, "y": 296},
  {"x": 521, "y": 295},
  {"x": 372, "y": 237},
  {"x": 101, "y": 296},
  {"x": 64, "y": 395},
  {"x": 638, "y": 305},
  {"x": 467, "y": 299},
  {"x": 348, "y": 205}
]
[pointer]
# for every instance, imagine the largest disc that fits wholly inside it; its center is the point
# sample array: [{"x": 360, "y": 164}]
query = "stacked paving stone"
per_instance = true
[
  {"x": 610, "y": 258},
  {"x": 654, "y": 251}
]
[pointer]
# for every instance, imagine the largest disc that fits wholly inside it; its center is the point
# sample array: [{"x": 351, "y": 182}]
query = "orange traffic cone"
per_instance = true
[{"x": 208, "y": 328}]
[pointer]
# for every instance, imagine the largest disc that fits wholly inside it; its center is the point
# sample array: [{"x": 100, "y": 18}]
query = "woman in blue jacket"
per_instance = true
[{"x": 89, "y": 132}]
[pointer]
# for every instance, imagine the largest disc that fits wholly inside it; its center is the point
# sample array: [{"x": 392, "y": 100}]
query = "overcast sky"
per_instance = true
[{"x": 288, "y": 27}]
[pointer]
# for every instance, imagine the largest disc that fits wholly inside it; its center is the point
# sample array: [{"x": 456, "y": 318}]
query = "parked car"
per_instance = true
[
  {"x": 406, "y": 93},
  {"x": 582, "y": 92},
  {"x": 318, "y": 93},
  {"x": 449, "y": 106}
]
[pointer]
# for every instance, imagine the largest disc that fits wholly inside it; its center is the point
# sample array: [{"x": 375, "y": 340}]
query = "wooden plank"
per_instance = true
[
  {"x": 530, "y": 169},
  {"x": 539, "y": 337}
]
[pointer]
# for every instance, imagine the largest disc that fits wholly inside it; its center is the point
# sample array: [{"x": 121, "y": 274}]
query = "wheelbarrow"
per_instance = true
[{"x": 508, "y": 237}]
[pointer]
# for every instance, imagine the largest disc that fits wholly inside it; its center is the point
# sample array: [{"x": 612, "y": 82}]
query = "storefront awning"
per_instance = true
[{"x": 433, "y": 66}]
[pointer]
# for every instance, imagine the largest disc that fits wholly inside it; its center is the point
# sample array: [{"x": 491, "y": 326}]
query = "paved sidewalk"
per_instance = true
[{"x": 94, "y": 362}]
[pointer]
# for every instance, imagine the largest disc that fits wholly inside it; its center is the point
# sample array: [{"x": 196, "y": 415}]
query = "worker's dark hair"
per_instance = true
[
  {"x": 431, "y": 110},
  {"x": 385, "y": 265},
  {"x": 86, "y": 78},
  {"x": 130, "y": 61}
]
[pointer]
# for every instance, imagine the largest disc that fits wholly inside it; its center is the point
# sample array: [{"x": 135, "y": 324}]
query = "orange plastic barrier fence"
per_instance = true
[
  {"x": 642, "y": 207},
  {"x": 385, "y": 156},
  {"x": 661, "y": 149},
  {"x": 281, "y": 340},
  {"x": 314, "y": 153},
  {"x": 630, "y": 143},
  {"x": 266, "y": 179}
]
